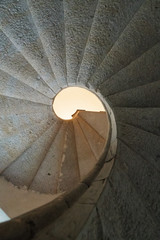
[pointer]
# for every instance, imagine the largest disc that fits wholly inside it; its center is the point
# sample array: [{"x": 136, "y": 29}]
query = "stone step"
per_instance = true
[
  {"x": 46, "y": 179},
  {"x": 136, "y": 74},
  {"x": 135, "y": 219},
  {"x": 140, "y": 34},
  {"x": 143, "y": 143},
  {"x": 145, "y": 118},
  {"x": 48, "y": 17},
  {"x": 13, "y": 63},
  {"x": 111, "y": 218},
  {"x": 22, "y": 171},
  {"x": 13, "y": 106},
  {"x": 144, "y": 178},
  {"x": 96, "y": 142},
  {"x": 18, "y": 26},
  {"x": 86, "y": 158},
  {"x": 111, "y": 17},
  {"x": 69, "y": 174},
  {"x": 12, "y": 147},
  {"x": 12, "y": 124},
  {"x": 77, "y": 28},
  {"x": 141, "y": 96},
  {"x": 11, "y": 87},
  {"x": 93, "y": 119}
]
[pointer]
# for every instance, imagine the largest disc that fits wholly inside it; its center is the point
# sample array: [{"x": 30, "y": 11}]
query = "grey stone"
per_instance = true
[
  {"x": 30, "y": 160},
  {"x": 110, "y": 19},
  {"x": 142, "y": 71},
  {"x": 46, "y": 179},
  {"x": 141, "y": 141},
  {"x": 141, "y": 96},
  {"x": 78, "y": 17},
  {"x": 144, "y": 178},
  {"x": 68, "y": 225},
  {"x": 136, "y": 221},
  {"x": 18, "y": 26},
  {"x": 145, "y": 118},
  {"x": 11, "y": 87},
  {"x": 13, "y": 63},
  {"x": 69, "y": 173},
  {"x": 48, "y": 17},
  {"x": 139, "y": 35}
]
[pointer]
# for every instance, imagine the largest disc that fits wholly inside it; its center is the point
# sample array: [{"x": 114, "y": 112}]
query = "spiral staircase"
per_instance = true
[{"x": 111, "y": 47}]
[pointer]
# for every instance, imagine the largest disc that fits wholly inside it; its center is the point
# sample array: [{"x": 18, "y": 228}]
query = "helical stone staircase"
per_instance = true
[{"x": 101, "y": 170}]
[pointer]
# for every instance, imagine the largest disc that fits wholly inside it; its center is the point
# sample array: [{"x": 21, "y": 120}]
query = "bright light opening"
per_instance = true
[
  {"x": 71, "y": 99},
  {"x": 3, "y": 216}
]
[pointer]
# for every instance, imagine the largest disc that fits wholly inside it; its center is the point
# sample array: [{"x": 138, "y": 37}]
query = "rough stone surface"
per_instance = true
[
  {"x": 142, "y": 71},
  {"x": 86, "y": 158},
  {"x": 92, "y": 194},
  {"x": 22, "y": 200},
  {"x": 115, "y": 51},
  {"x": 105, "y": 171},
  {"x": 136, "y": 221},
  {"x": 78, "y": 18},
  {"x": 11, "y": 87},
  {"x": 144, "y": 177},
  {"x": 18, "y": 26},
  {"x": 96, "y": 142},
  {"x": 46, "y": 179},
  {"x": 68, "y": 225},
  {"x": 49, "y": 20},
  {"x": 138, "y": 97},
  {"x": 93, "y": 228},
  {"x": 69, "y": 174},
  {"x": 30, "y": 160},
  {"x": 145, "y": 118},
  {"x": 94, "y": 118},
  {"x": 13, "y": 63},
  {"x": 110, "y": 19},
  {"x": 144, "y": 143},
  {"x": 15, "y": 145},
  {"x": 140, "y": 34}
]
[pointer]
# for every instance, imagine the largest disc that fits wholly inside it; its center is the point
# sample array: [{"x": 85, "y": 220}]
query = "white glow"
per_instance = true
[
  {"x": 3, "y": 216},
  {"x": 71, "y": 99}
]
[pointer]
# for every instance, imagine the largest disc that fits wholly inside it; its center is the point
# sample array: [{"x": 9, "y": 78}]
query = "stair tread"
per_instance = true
[
  {"x": 136, "y": 221},
  {"x": 77, "y": 27},
  {"x": 138, "y": 73},
  {"x": 48, "y": 17},
  {"x": 11, "y": 87},
  {"x": 46, "y": 179},
  {"x": 105, "y": 30},
  {"x": 13, "y": 63},
  {"x": 141, "y": 96},
  {"x": 22, "y": 171},
  {"x": 11, "y": 124},
  {"x": 145, "y": 118},
  {"x": 86, "y": 158},
  {"x": 14, "y": 146},
  {"x": 69, "y": 175},
  {"x": 141, "y": 33},
  {"x": 144, "y": 177},
  {"x": 94, "y": 118},
  {"x": 144, "y": 143},
  {"x": 15, "y": 106},
  {"x": 96, "y": 142},
  {"x": 18, "y": 26}
]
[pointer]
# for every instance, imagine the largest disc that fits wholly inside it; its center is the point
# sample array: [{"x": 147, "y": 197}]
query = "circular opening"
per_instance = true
[{"x": 71, "y": 99}]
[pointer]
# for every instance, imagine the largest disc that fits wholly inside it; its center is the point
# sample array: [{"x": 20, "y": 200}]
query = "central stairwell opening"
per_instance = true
[
  {"x": 84, "y": 134},
  {"x": 69, "y": 100}
]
